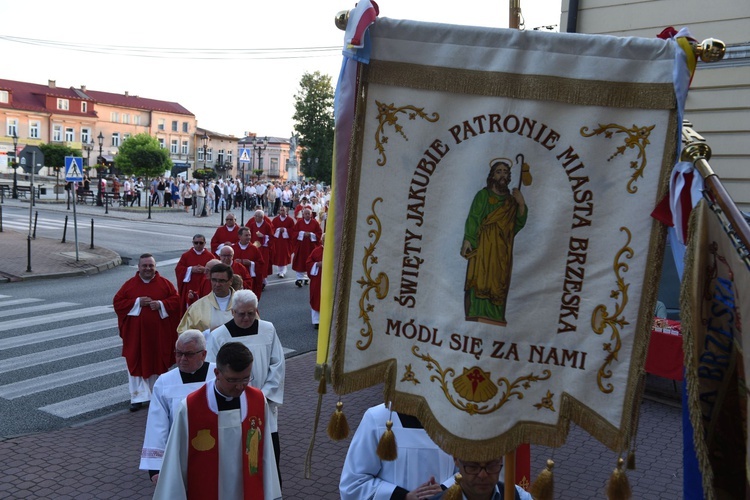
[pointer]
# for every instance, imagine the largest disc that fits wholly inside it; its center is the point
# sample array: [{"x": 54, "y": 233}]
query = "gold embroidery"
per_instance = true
[
  {"x": 388, "y": 115},
  {"x": 637, "y": 137},
  {"x": 379, "y": 284},
  {"x": 203, "y": 441}
]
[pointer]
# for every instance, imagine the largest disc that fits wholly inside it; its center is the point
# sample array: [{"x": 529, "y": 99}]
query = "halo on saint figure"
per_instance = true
[{"x": 505, "y": 161}]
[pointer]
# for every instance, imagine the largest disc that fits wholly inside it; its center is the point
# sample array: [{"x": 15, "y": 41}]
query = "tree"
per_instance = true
[
  {"x": 54, "y": 154},
  {"x": 313, "y": 105},
  {"x": 141, "y": 156}
]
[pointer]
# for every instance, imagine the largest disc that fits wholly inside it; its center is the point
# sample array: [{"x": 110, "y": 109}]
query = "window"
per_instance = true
[
  {"x": 84, "y": 107},
  {"x": 57, "y": 133},
  {"x": 34, "y": 129},
  {"x": 85, "y": 135},
  {"x": 136, "y": 119},
  {"x": 185, "y": 127},
  {"x": 174, "y": 125},
  {"x": 125, "y": 137},
  {"x": 274, "y": 167},
  {"x": 4, "y": 96},
  {"x": 210, "y": 154},
  {"x": 63, "y": 104},
  {"x": 161, "y": 143},
  {"x": 184, "y": 150},
  {"x": 229, "y": 156},
  {"x": 12, "y": 127},
  {"x": 220, "y": 157},
  {"x": 161, "y": 123},
  {"x": 125, "y": 118},
  {"x": 114, "y": 117},
  {"x": 174, "y": 146},
  {"x": 116, "y": 139},
  {"x": 70, "y": 134},
  {"x": 200, "y": 154}
]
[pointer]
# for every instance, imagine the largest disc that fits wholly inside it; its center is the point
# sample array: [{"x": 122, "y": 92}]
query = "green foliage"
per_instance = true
[
  {"x": 141, "y": 156},
  {"x": 313, "y": 105},
  {"x": 204, "y": 174},
  {"x": 54, "y": 154}
]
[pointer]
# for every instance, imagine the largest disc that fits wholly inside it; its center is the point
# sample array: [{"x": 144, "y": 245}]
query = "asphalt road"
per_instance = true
[{"x": 60, "y": 361}]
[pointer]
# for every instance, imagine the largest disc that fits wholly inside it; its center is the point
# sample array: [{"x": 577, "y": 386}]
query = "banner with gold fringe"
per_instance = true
[
  {"x": 715, "y": 297},
  {"x": 497, "y": 267}
]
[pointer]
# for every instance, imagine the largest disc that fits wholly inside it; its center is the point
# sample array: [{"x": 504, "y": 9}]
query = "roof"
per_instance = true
[
  {"x": 271, "y": 139},
  {"x": 134, "y": 101},
  {"x": 32, "y": 97}
]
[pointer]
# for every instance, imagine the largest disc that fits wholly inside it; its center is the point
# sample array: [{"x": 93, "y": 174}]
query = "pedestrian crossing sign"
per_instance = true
[
  {"x": 244, "y": 155},
  {"x": 73, "y": 168}
]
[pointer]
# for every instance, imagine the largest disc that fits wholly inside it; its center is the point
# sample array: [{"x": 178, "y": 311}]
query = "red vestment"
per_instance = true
[
  {"x": 147, "y": 339},
  {"x": 247, "y": 280},
  {"x": 306, "y": 245},
  {"x": 224, "y": 235},
  {"x": 281, "y": 252},
  {"x": 315, "y": 256},
  {"x": 189, "y": 259},
  {"x": 266, "y": 240},
  {"x": 253, "y": 254}
]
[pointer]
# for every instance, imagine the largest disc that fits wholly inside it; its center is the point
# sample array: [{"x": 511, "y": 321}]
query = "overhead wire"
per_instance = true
[{"x": 182, "y": 52}]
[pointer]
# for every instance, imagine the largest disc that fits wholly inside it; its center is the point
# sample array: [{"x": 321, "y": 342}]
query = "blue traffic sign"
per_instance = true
[
  {"x": 245, "y": 155},
  {"x": 73, "y": 168}
]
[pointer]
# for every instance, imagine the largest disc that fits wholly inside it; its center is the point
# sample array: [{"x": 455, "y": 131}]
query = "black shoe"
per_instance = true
[
  {"x": 264, "y": 287},
  {"x": 135, "y": 406},
  {"x": 315, "y": 326},
  {"x": 307, "y": 282},
  {"x": 298, "y": 283}
]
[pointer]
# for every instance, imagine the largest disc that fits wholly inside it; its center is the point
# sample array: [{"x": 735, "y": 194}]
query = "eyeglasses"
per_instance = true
[
  {"x": 188, "y": 355},
  {"x": 229, "y": 218},
  {"x": 226, "y": 255},
  {"x": 199, "y": 243},
  {"x": 219, "y": 280},
  {"x": 490, "y": 467},
  {"x": 245, "y": 380}
]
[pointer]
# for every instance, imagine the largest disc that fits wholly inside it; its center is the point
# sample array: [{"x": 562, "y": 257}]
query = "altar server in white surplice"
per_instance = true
[
  {"x": 169, "y": 390},
  {"x": 418, "y": 470},
  {"x": 218, "y": 447},
  {"x": 260, "y": 337}
]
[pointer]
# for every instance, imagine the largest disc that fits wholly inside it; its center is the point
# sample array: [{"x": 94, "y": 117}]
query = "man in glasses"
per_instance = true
[
  {"x": 191, "y": 269},
  {"x": 147, "y": 308},
  {"x": 260, "y": 337},
  {"x": 214, "y": 309},
  {"x": 481, "y": 481},
  {"x": 226, "y": 234},
  {"x": 170, "y": 389},
  {"x": 218, "y": 446}
]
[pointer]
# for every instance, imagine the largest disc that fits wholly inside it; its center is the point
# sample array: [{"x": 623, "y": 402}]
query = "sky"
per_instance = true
[{"x": 235, "y": 65}]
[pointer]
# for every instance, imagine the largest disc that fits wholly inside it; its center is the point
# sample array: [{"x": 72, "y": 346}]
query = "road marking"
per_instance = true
[
  {"x": 54, "y": 318},
  {"x": 59, "y": 333},
  {"x": 70, "y": 351},
  {"x": 33, "y": 309},
  {"x": 18, "y": 302},
  {"x": 60, "y": 379},
  {"x": 89, "y": 402}
]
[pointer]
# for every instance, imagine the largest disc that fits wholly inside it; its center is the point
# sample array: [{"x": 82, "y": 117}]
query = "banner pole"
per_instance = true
[{"x": 510, "y": 474}]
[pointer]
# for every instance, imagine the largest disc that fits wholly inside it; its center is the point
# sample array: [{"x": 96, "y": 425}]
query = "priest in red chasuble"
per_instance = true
[{"x": 148, "y": 311}]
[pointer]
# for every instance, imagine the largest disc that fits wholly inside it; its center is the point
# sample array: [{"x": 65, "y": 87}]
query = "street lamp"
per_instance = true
[
  {"x": 15, "y": 164},
  {"x": 204, "y": 213},
  {"x": 100, "y": 191},
  {"x": 259, "y": 146}
]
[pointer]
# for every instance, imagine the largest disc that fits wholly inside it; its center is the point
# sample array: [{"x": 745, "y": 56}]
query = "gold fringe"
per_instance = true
[
  {"x": 338, "y": 427},
  {"x": 454, "y": 492},
  {"x": 387, "y": 449},
  {"x": 618, "y": 487},
  {"x": 543, "y": 487},
  {"x": 311, "y": 447}
]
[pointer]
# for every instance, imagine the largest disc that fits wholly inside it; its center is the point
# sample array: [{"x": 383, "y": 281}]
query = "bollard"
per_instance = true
[
  {"x": 2, "y": 195},
  {"x": 150, "y": 203},
  {"x": 28, "y": 253},
  {"x": 65, "y": 229},
  {"x": 221, "y": 221},
  {"x": 92, "y": 233},
  {"x": 1, "y": 219},
  {"x": 36, "y": 217},
  {"x": 106, "y": 204}
]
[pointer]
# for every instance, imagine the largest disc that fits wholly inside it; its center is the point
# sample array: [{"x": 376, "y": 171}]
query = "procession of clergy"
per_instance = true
[{"x": 210, "y": 418}]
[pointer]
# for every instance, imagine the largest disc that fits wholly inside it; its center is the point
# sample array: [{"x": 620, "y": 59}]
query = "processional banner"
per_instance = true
[
  {"x": 715, "y": 297},
  {"x": 497, "y": 262}
]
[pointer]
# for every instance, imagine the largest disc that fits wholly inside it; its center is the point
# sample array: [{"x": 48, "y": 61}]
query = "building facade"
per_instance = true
[{"x": 718, "y": 103}]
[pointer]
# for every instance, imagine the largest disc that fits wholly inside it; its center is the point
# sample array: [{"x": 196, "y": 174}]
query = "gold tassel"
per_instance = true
[
  {"x": 387, "y": 446},
  {"x": 618, "y": 487},
  {"x": 631, "y": 460},
  {"x": 543, "y": 486},
  {"x": 338, "y": 427},
  {"x": 454, "y": 492}
]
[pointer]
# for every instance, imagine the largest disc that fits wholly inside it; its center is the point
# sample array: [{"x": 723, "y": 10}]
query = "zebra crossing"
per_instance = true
[{"x": 62, "y": 357}]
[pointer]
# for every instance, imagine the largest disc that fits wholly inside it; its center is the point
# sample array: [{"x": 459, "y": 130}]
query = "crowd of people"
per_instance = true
[{"x": 212, "y": 370}]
